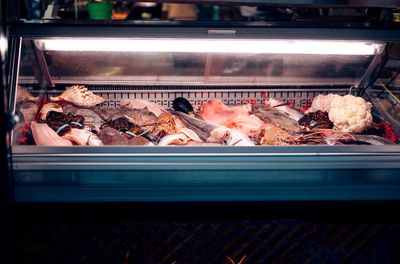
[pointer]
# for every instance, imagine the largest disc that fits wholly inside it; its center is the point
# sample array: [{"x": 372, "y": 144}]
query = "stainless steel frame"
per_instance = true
[{"x": 207, "y": 174}]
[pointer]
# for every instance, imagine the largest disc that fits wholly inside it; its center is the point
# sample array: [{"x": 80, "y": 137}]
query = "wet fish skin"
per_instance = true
[
  {"x": 372, "y": 140},
  {"x": 272, "y": 116},
  {"x": 214, "y": 133},
  {"x": 83, "y": 137},
  {"x": 202, "y": 128},
  {"x": 284, "y": 108}
]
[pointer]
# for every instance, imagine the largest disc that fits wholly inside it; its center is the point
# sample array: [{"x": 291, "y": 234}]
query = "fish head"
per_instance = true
[{"x": 230, "y": 137}]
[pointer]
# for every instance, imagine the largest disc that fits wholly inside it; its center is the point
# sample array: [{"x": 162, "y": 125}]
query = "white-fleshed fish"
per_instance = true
[
  {"x": 45, "y": 136},
  {"x": 83, "y": 137}
]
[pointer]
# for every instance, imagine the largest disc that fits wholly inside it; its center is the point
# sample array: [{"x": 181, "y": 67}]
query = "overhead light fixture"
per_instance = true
[{"x": 213, "y": 46}]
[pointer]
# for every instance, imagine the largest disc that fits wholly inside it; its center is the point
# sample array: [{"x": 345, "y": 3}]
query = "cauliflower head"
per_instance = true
[
  {"x": 322, "y": 102},
  {"x": 350, "y": 114}
]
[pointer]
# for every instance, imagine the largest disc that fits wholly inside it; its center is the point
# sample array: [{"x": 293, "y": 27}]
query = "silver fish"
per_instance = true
[
  {"x": 214, "y": 133},
  {"x": 284, "y": 108},
  {"x": 372, "y": 140},
  {"x": 272, "y": 116}
]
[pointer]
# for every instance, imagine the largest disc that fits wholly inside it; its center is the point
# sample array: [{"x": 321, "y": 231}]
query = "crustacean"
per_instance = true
[
  {"x": 165, "y": 125},
  {"x": 318, "y": 119},
  {"x": 24, "y": 95},
  {"x": 62, "y": 123}
]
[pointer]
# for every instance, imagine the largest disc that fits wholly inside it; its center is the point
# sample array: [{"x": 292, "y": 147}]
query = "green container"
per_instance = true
[{"x": 100, "y": 10}]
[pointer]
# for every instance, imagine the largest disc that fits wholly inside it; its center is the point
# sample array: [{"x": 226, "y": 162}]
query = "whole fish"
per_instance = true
[
  {"x": 214, "y": 133},
  {"x": 372, "y": 140},
  {"x": 272, "y": 116},
  {"x": 92, "y": 119},
  {"x": 45, "y": 136},
  {"x": 284, "y": 108},
  {"x": 83, "y": 137}
]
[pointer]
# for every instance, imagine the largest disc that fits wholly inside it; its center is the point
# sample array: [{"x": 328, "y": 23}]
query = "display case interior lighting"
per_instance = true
[{"x": 213, "y": 46}]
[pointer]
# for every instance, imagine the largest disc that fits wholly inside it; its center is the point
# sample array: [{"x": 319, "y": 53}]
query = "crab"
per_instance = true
[
  {"x": 62, "y": 123},
  {"x": 165, "y": 125}
]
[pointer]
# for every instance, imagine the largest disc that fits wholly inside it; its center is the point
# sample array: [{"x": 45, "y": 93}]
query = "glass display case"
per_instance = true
[{"x": 162, "y": 113}]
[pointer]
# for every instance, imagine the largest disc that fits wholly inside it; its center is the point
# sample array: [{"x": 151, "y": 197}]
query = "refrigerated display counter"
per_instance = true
[{"x": 160, "y": 112}]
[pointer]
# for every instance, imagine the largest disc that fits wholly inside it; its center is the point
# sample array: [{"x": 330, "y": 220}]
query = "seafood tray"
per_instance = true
[{"x": 248, "y": 115}]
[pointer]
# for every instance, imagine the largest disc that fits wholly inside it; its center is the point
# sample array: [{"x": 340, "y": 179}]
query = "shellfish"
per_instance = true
[
  {"x": 79, "y": 95},
  {"x": 24, "y": 95}
]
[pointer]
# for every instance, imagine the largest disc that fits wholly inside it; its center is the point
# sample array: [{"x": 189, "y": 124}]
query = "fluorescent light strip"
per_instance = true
[{"x": 212, "y": 46}]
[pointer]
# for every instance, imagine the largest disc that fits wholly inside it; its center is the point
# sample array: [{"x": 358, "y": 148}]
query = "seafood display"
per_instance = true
[{"x": 75, "y": 118}]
